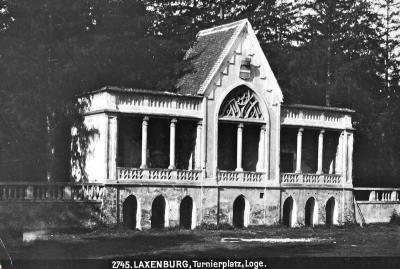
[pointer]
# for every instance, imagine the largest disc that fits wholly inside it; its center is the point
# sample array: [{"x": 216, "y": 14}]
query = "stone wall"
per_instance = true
[
  {"x": 343, "y": 200},
  {"x": 37, "y": 215},
  {"x": 375, "y": 212},
  {"x": 145, "y": 195},
  {"x": 263, "y": 203},
  {"x": 264, "y": 206}
]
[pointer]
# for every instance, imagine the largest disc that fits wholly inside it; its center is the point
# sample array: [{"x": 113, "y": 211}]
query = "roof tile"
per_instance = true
[{"x": 202, "y": 57}]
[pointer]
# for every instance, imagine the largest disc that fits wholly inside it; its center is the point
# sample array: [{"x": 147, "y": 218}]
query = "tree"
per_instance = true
[{"x": 53, "y": 50}]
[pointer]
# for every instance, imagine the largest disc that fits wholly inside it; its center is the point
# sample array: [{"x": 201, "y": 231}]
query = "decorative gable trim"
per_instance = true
[
  {"x": 221, "y": 28},
  {"x": 239, "y": 27}
]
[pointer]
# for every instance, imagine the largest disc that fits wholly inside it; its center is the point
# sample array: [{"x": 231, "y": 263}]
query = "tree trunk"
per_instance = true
[
  {"x": 50, "y": 148},
  {"x": 328, "y": 71}
]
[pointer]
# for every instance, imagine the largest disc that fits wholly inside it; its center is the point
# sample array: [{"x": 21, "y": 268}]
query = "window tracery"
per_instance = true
[{"x": 241, "y": 104}]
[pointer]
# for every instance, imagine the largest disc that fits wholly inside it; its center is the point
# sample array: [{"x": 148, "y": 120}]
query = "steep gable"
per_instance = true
[
  {"x": 206, "y": 55},
  {"x": 217, "y": 50}
]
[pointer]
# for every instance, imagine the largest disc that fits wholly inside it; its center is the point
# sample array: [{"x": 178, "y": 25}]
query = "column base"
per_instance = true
[
  {"x": 298, "y": 171},
  {"x": 319, "y": 172},
  {"x": 143, "y": 166},
  {"x": 171, "y": 167},
  {"x": 239, "y": 169}
]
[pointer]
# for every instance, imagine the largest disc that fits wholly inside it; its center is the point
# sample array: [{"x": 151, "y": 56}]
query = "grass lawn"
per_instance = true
[{"x": 380, "y": 240}]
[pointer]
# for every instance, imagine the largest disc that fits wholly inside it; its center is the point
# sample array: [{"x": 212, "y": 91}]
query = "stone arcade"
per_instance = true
[{"x": 223, "y": 149}]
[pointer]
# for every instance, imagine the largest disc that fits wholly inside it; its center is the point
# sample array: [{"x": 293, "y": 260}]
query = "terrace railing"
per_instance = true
[
  {"x": 51, "y": 191},
  {"x": 306, "y": 178},
  {"x": 144, "y": 102},
  {"x": 240, "y": 178},
  {"x": 303, "y": 115},
  {"x": 377, "y": 195},
  {"x": 158, "y": 175}
]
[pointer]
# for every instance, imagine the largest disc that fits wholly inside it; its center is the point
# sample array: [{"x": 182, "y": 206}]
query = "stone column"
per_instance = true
[
  {"x": 299, "y": 148},
  {"x": 267, "y": 150},
  {"x": 320, "y": 151},
  {"x": 239, "y": 148},
  {"x": 338, "y": 159},
  {"x": 172, "y": 131},
  {"x": 197, "y": 151},
  {"x": 344, "y": 155},
  {"x": 145, "y": 123},
  {"x": 261, "y": 150},
  {"x": 350, "y": 156},
  {"x": 112, "y": 147}
]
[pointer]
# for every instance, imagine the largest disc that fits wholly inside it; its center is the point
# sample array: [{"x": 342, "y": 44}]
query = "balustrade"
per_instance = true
[
  {"x": 303, "y": 178},
  {"x": 136, "y": 174},
  {"x": 162, "y": 103},
  {"x": 335, "y": 118},
  {"x": 377, "y": 195},
  {"x": 183, "y": 175},
  {"x": 384, "y": 196},
  {"x": 51, "y": 192},
  {"x": 240, "y": 177}
]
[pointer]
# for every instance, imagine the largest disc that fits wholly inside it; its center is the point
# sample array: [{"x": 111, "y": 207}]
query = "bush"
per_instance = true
[
  {"x": 395, "y": 218},
  {"x": 212, "y": 227}
]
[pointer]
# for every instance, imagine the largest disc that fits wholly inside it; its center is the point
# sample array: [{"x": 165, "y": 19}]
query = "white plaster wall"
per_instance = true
[
  {"x": 263, "y": 84},
  {"x": 374, "y": 212},
  {"x": 96, "y": 160}
]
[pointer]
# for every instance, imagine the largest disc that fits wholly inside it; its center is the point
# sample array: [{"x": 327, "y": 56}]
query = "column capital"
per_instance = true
[
  {"x": 240, "y": 125},
  {"x": 321, "y": 132},
  {"x": 174, "y": 120},
  {"x": 200, "y": 123},
  {"x": 263, "y": 127},
  {"x": 146, "y": 119},
  {"x": 300, "y": 131}
]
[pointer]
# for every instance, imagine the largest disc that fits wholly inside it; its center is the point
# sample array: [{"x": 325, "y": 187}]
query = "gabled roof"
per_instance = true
[{"x": 207, "y": 54}]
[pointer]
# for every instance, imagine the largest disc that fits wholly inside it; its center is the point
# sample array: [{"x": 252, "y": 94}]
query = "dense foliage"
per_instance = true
[{"x": 337, "y": 53}]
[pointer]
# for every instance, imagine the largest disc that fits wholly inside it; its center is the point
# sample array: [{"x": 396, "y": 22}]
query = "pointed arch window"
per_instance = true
[{"x": 241, "y": 104}]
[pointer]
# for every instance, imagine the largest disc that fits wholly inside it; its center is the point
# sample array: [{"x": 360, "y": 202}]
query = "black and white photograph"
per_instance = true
[{"x": 199, "y": 134}]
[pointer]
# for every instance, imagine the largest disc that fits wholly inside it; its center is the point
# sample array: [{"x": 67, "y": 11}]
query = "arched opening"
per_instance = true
[
  {"x": 241, "y": 210},
  {"x": 186, "y": 213},
  {"x": 241, "y": 132},
  {"x": 158, "y": 212},
  {"x": 331, "y": 212},
  {"x": 289, "y": 212},
  {"x": 311, "y": 213},
  {"x": 129, "y": 212}
]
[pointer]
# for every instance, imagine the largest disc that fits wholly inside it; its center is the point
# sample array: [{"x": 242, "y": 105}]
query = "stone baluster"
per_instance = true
[
  {"x": 372, "y": 196},
  {"x": 67, "y": 192},
  {"x": 29, "y": 192}
]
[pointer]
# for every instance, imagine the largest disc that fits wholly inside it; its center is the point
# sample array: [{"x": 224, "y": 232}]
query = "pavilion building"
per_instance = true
[{"x": 222, "y": 149}]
